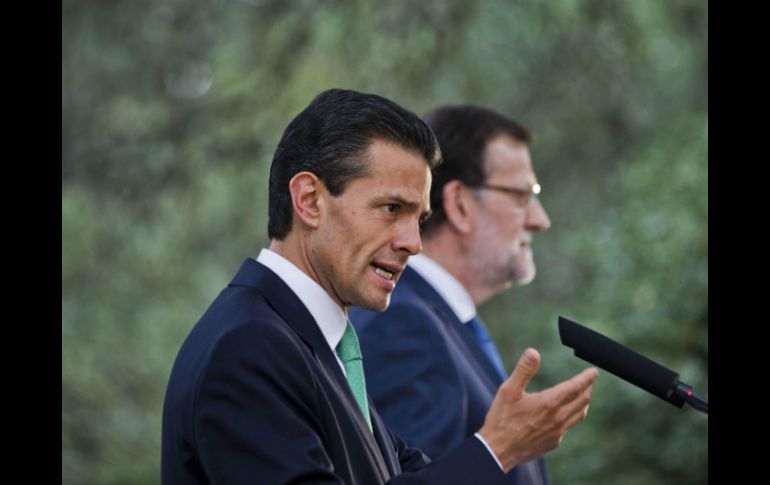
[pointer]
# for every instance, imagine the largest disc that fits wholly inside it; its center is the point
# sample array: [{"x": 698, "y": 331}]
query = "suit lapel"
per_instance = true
[
  {"x": 383, "y": 442},
  {"x": 466, "y": 340},
  {"x": 286, "y": 303}
]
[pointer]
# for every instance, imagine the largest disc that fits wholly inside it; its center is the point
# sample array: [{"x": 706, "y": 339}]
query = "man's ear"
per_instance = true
[
  {"x": 458, "y": 206},
  {"x": 305, "y": 189}
]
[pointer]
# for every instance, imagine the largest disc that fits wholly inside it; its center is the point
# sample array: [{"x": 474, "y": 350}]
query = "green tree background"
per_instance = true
[{"x": 171, "y": 111}]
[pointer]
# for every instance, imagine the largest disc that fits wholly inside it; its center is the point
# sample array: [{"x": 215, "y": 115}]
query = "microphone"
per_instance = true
[{"x": 630, "y": 366}]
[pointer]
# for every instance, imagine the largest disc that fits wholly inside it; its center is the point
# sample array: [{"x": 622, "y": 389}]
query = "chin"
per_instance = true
[
  {"x": 382, "y": 306},
  {"x": 375, "y": 305},
  {"x": 526, "y": 278}
]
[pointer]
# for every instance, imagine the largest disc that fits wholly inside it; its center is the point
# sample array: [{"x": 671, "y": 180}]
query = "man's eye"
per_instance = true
[
  {"x": 522, "y": 198},
  {"x": 391, "y": 208}
]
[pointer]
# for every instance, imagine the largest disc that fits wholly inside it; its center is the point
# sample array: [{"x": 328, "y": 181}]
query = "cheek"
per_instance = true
[
  {"x": 354, "y": 240},
  {"x": 498, "y": 228},
  {"x": 515, "y": 235},
  {"x": 343, "y": 226},
  {"x": 513, "y": 226}
]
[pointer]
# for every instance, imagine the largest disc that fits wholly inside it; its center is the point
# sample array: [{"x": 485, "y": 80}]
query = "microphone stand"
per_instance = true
[{"x": 688, "y": 395}]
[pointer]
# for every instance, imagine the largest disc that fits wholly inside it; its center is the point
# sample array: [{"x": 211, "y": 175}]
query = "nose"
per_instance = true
[
  {"x": 537, "y": 218},
  {"x": 408, "y": 238}
]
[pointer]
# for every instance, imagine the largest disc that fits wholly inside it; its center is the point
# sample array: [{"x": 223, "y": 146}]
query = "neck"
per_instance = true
[
  {"x": 452, "y": 254},
  {"x": 287, "y": 250},
  {"x": 293, "y": 249}
]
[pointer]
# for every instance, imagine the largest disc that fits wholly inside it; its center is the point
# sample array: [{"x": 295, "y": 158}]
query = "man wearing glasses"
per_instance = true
[{"x": 431, "y": 367}]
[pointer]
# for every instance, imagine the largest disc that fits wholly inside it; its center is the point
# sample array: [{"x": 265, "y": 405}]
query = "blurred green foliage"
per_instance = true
[{"x": 171, "y": 111}]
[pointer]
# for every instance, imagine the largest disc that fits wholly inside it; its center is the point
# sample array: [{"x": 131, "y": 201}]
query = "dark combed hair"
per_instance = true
[
  {"x": 330, "y": 139},
  {"x": 463, "y": 133}
]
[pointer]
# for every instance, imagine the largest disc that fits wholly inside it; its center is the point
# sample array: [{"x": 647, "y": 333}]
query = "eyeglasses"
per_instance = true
[{"x": 523, "y": 198}]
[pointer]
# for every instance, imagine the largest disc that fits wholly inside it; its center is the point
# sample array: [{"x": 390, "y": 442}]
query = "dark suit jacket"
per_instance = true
[
  {"x": 427, "y": 374},
  {"x": 256, "y": 396}
]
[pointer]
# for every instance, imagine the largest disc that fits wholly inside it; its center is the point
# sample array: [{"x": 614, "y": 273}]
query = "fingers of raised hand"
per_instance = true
[{"x": 526, "y": 368}]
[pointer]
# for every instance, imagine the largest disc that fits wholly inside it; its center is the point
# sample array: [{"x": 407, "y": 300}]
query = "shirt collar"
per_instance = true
[
  {"x": 330, "y": 317},
  {"x": 453, "y": 292}
]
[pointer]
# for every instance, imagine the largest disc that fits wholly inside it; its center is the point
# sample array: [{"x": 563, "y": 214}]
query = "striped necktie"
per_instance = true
[
  {"x": 350, "y": 355},
  {"x": 487, "y": 345}
]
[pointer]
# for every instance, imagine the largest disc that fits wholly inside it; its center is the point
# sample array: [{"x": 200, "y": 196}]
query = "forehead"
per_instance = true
[
  {"x": 505, "y": 155},
  {"x": 392, "y": 166}
]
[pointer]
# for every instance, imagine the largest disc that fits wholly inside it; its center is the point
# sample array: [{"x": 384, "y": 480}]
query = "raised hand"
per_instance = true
[{"x": 521, "y": 426}]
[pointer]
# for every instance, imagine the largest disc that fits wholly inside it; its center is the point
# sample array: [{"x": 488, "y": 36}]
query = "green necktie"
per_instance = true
[{"x": 350, "y": 355}]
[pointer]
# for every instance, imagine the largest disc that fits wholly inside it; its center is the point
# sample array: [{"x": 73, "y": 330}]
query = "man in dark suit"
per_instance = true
[
  {"x": 269, "y": 385},
  {"x": 431, "y": 367}
]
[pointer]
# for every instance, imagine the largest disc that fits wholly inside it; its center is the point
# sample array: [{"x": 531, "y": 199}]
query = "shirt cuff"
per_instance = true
[{"x": 490, "y": 451}]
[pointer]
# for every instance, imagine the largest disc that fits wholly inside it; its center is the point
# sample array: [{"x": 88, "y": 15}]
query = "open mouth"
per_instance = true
[{"x": 385, "y": 273}]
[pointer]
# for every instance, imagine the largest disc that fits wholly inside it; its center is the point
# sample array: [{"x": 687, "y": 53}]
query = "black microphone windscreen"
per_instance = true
[{"x": 619, "y": 360}]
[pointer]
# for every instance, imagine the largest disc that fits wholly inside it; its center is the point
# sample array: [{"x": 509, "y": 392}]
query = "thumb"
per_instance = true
[{"x": 525, "y": 370}]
